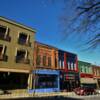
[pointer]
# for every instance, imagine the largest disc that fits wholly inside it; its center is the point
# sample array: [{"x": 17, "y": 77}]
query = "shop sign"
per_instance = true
[{"x": 69, "y": 76}]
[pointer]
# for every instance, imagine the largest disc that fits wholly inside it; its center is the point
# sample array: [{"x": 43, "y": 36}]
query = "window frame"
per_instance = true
[{"x": 27, "y": 41}]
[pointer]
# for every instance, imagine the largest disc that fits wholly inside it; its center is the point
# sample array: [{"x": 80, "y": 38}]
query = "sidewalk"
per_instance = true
[{"x": 25, "y": 95}]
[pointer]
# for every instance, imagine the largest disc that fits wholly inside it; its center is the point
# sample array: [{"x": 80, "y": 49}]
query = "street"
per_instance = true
[{"x": 92, "y": 97}]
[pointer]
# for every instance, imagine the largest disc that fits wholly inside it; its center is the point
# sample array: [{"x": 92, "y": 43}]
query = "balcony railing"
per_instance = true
[
  {"x": 3, "y": 58},
  {"x": 19, "y": 59},
  {"x": 7, "y": 38},
  {"x": 23, "y": 42}
]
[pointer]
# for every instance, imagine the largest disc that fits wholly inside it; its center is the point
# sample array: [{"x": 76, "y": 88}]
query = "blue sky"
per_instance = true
[{"x": 44, "y": 17}]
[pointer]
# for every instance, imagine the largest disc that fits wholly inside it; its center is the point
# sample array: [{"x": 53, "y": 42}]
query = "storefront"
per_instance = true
[
  {"x": 98, "y": 82},
  {"x": 45, "y": 81},
  {"x": 13, "y": 81},
  {"x": 89, "y": 82},
  {"x": 70, "y": 81}
]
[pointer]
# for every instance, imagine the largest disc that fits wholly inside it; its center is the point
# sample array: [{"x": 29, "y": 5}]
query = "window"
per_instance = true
[
  {"x": 60, "y": 63},
  {"x": 81, "y": 69},
  {"x": 45, "y": 81},
  {"x": 22, "y": 56},
  {"x": 44, "y": 60},
  {"x": 71, "y": 66},
  {"x": 56, "y": 62},
  {"x": 3, "y": 56},
  {"x": 74, "y": 66},
  {"x": 4, "y": 33},
  {"x": 49, "y": 61},
  {"x": 85, "y": 69},
  {"x": 63, "y": 64},
  {"x": 68, "y": 65},
  {"x": 24, "y": 39},
  {"x": 38, "y": 60},
  {"x": 1, "y": 48}
]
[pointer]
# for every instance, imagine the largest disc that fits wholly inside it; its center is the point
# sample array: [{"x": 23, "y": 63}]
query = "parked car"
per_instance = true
[
  {"x": 98, "y": 91},
  {"x": 84, "y": 91}
]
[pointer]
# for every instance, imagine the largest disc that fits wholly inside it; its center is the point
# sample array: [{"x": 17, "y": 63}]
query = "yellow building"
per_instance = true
[{"x": 16, "y": 50}]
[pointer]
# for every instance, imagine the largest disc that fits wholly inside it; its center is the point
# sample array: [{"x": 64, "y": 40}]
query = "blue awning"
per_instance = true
[{"x": 46, "y": 71}]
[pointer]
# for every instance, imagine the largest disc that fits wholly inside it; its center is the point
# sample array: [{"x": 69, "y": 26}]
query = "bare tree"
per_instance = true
[
  {"x": 90, "y": 11},
  {"x": 81, "y": 19}
]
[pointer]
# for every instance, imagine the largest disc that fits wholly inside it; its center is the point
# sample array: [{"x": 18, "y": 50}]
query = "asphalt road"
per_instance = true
[{"x": 95, "y": 97}]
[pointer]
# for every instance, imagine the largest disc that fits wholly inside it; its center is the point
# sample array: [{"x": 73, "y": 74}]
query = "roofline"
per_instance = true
[
  {"x": 84, "y": 62},
  {"x": 17, "y": 24},
  {"x": 68, "y": 52},
  {"x": 96, "y": 66},
  {"x": 45, "y": 44},
  {"x": 54, "y": 47}
]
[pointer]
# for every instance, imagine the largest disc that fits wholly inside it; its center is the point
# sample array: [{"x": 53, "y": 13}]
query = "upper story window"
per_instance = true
[
  {"x": 24, "y": 39},
  {"x": 49, "y": 61},
  {"x": 72, "y": 67},
  {"x": 61, "y": 63},
  {"x": 4, "y": 33},
  {"x": 56, "y": 63},
  {"x": 3, "y": 56},
  {"x": 75, "y": 66},
  {"x": 44, "y": 60},
  {"x": 38, "y": 60},
  {"x": 68, "y": 65},
  {"x": 85, "y": 69},
  {"x": 22, "y": 57},
  {"x": 81, "y": 69}
]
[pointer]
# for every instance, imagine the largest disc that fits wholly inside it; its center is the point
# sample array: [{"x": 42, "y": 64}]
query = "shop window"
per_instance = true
[
  {"x": 49, "y": 61},
  {"x": 3, "y": 56},
  {"x": 38, "y": 60},
  {"x": 45, "y": 81},
  {"x": 44, "y": 60},
  {"x": 4, "y": 33},
  {"x": 24, "y": 39},
  {"x": 22, "y": 57}
]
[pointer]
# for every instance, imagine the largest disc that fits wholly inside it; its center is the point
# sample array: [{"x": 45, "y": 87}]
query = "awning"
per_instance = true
[
  {"x": 14, "y": 70},
  {"x": 88, "y": 80},
  {"x": 46, "y": 71}
]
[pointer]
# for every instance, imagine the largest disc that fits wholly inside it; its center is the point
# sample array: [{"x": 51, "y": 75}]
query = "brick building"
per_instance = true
[
  {"x": 96, "y": 74},
  {"x": 68, "y": 66},
  {"x": 86, "y": 74},
  {"x": 45, "y": 73}
]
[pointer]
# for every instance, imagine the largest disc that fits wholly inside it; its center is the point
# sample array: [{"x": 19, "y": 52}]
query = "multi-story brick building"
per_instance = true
[
  {"x": 45, "y": 56},
  {"x": 96, "y": 74},
  {"x": 86, "y": 74},
  {"x": 46, "y": 75},
  {"x": 16, "y": 50},
  {"x": 68, "y": 66}
]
